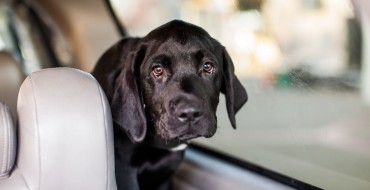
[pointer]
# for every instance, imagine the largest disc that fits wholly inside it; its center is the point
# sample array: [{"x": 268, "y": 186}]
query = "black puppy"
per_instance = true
[{"x": 164, "y": 90}]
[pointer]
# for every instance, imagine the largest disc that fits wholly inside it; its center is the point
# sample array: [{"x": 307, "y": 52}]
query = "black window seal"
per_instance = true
[{"x": 289, "y": 181}]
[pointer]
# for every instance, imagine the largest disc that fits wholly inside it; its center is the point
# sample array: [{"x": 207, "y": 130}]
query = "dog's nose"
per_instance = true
[{"x": 189, "y": 113}]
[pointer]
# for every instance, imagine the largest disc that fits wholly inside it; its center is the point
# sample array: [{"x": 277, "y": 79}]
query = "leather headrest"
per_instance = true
[{"x": 65, "y": 132}]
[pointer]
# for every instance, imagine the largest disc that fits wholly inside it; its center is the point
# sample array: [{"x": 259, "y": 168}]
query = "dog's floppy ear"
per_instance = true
[
  {"x": 234, "y": 91},
  {"x": 126, "y": 102}
]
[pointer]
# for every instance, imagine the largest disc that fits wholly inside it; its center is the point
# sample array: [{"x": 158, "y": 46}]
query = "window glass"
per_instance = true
[{"x": 306, "y": 70}]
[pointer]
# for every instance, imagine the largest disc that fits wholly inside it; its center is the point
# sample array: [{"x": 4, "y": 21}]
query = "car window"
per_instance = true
[{"x": 304, "y": 64}]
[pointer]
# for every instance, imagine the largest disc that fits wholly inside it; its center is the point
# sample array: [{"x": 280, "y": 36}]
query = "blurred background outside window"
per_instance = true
[{"x": 304, "y": 66}]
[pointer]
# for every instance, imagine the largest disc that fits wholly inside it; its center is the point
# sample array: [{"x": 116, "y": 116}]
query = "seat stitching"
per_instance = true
[
  {"x": 4, "y": 145},
  {"x": 16, "y": 165},
  {"x": 7, "y": 130},
  {"x": 106, "y": 134},
  {"x": 38, "y": 130},
  {"x": 11, "y": 141}
]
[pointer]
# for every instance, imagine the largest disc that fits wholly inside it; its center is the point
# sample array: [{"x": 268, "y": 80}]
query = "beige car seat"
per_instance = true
[{"x": 64, "y": 134}]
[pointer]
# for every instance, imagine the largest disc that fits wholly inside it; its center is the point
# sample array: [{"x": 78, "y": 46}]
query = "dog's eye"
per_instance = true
[
  {"x": 157, "y": 71},
  {"x": 208, "y": 68}
]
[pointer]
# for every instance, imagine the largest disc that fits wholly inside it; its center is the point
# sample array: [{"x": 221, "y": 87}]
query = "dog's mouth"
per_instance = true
[
  {"x": 187, "y": 137},
  {"x": 183, "y": 132},
  {"x": 166, "y": 131},
  {"x": 170, "y": 129}
]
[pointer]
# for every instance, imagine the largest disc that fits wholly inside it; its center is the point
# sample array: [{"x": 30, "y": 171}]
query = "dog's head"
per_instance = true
[{"x": 176, "y": 73}]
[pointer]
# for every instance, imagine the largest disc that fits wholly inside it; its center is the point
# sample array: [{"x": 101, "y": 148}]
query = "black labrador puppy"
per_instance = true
[{"x": 163, "y": 90}]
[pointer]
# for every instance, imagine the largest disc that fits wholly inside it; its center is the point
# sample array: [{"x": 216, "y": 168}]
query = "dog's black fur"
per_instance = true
[{"x": 164, "y": 90}]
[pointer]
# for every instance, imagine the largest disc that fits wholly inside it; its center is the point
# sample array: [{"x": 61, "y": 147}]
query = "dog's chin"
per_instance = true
[
  {"x": 160, "y": 142},
  {"x": 184, "y": 132}
]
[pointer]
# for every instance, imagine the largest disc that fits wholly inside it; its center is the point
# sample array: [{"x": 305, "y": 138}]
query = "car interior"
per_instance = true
[{"x": 58, "y": 134}]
